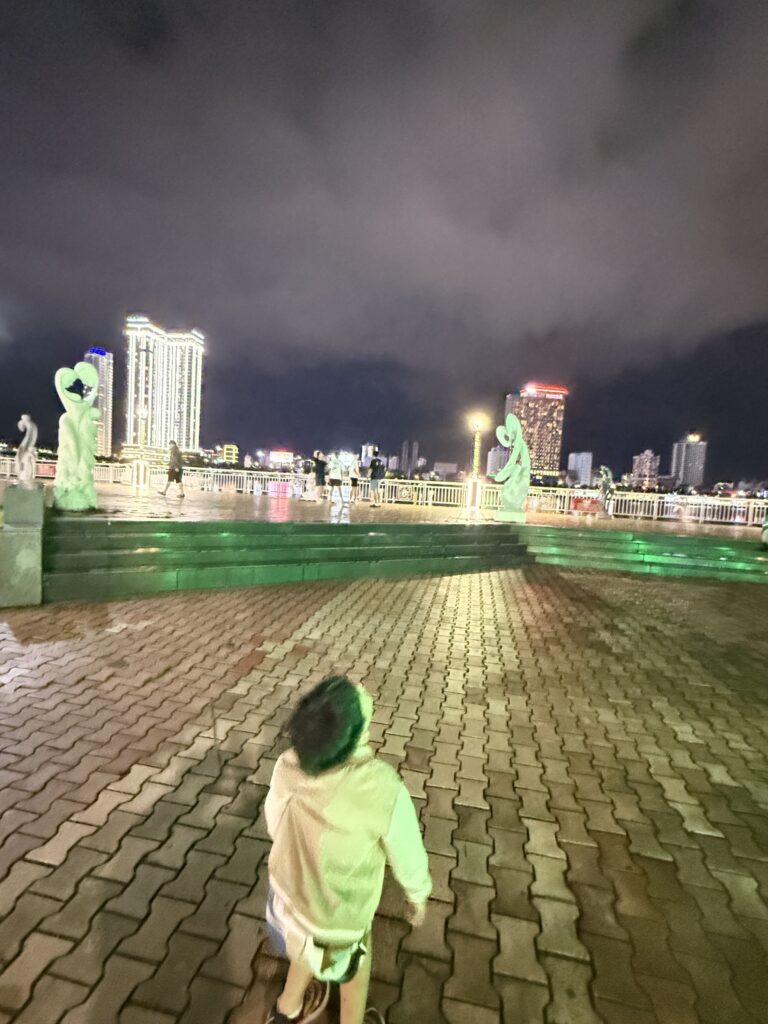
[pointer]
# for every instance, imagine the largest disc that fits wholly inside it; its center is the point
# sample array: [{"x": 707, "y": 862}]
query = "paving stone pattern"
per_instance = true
[{"x": 587, "y": 753}]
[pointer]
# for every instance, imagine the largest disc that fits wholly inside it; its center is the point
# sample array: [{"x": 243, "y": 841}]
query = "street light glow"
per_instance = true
[{"x": 478, "y": 422}]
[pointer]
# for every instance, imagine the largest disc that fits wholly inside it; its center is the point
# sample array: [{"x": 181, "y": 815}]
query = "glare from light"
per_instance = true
[{"x": 478, "y": 422}]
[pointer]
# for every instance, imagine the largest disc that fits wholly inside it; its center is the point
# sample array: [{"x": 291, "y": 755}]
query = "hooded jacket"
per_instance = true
[{"x": 332, "y": 836}]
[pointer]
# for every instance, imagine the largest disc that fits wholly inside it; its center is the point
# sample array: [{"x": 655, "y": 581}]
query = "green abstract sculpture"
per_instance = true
[
  {"x": 74, "y": 489},
  {"x": 515, "y": 477}
]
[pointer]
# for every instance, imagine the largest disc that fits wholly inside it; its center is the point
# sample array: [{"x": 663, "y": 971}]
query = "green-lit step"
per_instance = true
[
  {"x": 101, "y": 559},
  {"x": 659, "y": 554}
]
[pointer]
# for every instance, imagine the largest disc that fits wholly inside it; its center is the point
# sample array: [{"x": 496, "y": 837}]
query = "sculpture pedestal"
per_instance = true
[
  {"x": 74, "y": 500},
  {"x": 24, "y": 506},
  {"x": 21, "y": 566},
  {"x": 508, "y": 516},
  {"x": 21, "y": 546}
]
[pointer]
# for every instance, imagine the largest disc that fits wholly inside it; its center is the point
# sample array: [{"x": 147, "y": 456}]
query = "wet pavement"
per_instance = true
[
  {"x": 121, "y": 502},
  {"x": 587, "y": 752}
]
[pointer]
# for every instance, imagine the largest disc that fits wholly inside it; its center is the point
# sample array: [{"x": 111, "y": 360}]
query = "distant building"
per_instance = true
[
  {"x": 230, "y": 453},
  {"x": 689, "y": 457},
  {"x": 445, "y": 469},
  {"x": 541, "y": 411},
  {"x": 645, "y": 471},
  {"x": 366, "y": 453},
  {"x": 105, "y": 365},
  {"x": 409, "y": 457},
  {"x": 497, "y": 457},
  {"x": 580, "y": 468},
  {"x": 393, "y": 463},
  {"x": 281, "y": 459},
  {"x": 165, "y": 380}
]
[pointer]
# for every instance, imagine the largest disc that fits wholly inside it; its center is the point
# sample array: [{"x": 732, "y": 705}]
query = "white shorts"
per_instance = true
[{"x": 327, "y": 963}]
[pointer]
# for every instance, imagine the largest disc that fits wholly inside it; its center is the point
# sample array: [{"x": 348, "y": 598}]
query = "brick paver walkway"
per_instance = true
[{"x": 587, "y": 751}]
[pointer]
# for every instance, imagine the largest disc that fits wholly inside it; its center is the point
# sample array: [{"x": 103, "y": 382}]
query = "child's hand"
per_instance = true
[{"x": 416, "y": 914}]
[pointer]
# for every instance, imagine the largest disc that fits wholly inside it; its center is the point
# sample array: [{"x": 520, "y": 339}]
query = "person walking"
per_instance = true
[
  {"x": 175, "y": 470},
  {"x": 378, "y": 473},
  {"x": 337, "y": 815}
]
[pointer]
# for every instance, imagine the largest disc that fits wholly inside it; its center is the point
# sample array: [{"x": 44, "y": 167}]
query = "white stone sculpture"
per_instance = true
[
  {"x": 515, "y": 476},
  {"x": 74, "y": 489},
  {"x": 26, "y": 454}
]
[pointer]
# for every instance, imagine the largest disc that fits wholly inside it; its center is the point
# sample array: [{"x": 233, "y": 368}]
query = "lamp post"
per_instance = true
[{"x": 478, "y": 423}]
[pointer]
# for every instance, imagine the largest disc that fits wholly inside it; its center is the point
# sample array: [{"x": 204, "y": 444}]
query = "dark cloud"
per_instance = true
[{"x": 448, "y": 187}]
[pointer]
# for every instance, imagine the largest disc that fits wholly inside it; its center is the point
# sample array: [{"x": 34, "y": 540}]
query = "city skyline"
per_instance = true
[
  {"x": 95, "y": 352},
  {"x": 559, "y": 206}
]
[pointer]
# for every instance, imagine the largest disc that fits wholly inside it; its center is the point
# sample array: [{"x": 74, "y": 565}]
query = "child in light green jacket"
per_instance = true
[{"x": 337, "y": 815}]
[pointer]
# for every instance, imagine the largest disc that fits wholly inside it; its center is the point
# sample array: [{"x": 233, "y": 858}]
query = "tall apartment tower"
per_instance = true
[
  {"x": 165, "y": 380},
  {"x": 580, "y": 467},
  {"x": 645, "y": 470},
  {"x": 541, "y": 411},
  {"x": 689, "y": 456},
  {"x": 409, "y": 457},
  {"x": 105, "y": 366}
]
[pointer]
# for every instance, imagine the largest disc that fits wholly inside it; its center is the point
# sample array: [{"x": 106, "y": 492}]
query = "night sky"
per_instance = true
[{"x": 385, "y": 212}]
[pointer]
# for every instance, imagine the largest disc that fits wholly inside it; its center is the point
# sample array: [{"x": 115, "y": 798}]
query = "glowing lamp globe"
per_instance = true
[{"x": 478, "y": 422}]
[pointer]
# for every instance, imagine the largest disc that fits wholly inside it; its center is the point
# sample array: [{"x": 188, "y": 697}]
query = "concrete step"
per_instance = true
[
  {"x": 101, "y": 584},
  {"x": 734, "y": 571},
  {"x": 97, "y": 559},
  {"x": 339, "y": 537},
  {"x": 151, "y": 556}
]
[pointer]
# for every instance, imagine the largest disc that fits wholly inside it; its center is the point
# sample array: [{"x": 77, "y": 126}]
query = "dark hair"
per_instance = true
[
  {"x": 375, "y": 451},
  {"x": 326, "y": 725}
]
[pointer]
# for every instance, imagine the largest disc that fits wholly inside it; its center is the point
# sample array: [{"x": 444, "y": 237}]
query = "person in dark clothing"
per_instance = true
[
  {"x": 175, "y": 470},
  {"x": 378, "y": 473},
  {"x": 321, "y": 465}
]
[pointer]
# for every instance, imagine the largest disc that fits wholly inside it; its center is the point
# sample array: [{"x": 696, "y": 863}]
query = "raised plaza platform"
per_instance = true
[
  {"x": 103, "y": 558},
  {"x": 144, "y": 544}
]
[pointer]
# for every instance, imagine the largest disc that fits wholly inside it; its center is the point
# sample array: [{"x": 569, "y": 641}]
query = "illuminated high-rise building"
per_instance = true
[
  {"x": 165, "y": 380},
  {"x": 105, "y": 367},
  {"x": 689, "y": 456},
  {"x": 645, "y": 470},
  {"x": 541, "y": 411}
]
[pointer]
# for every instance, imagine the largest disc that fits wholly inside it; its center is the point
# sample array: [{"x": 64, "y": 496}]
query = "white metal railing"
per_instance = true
[{"x": 630, "y": 505}]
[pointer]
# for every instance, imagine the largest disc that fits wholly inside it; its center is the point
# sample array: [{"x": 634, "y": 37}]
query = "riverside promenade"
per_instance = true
[
  {"x": 119, "y": 501},
  {"x": 587, "y": 751}
]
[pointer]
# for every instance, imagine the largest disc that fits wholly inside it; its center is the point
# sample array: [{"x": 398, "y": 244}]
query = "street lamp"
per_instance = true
[{"x": 478, "y": 423}]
